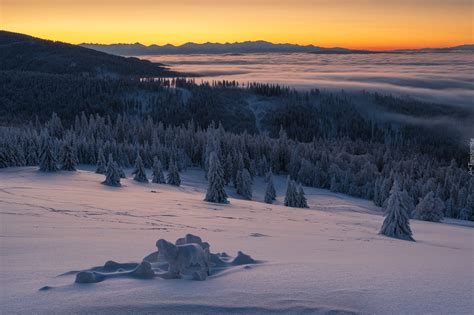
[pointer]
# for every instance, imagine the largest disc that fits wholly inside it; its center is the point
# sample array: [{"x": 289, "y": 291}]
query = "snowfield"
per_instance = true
[{"x": 328, "y": 259}]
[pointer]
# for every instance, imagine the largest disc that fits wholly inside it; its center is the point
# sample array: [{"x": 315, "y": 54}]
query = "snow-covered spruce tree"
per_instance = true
[
  {"x": 397, "y": 221},
  {"x": 68, "y": 157},
  {"x": 55, "y": 126},
  {"x": 112, "y": 174},
  {"x": 244, "y": 184},
  {"x": 429, "y": 208},
  {"x": 212, "y": 145},
  {"x": 215, "y": 176},
  {"x": 48, "y": 161},
  {"x": 101, "y": 163},
  {"x": 173, "y": 177},
  {"x": 158, "y": 176},
  {"x": 291, "y": 197},
  {"x": 270, "y": 193},
  {"x": 302, "y": 202},
  {"x": 139, "y": 171}
]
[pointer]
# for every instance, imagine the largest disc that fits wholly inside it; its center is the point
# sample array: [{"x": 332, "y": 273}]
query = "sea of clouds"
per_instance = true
[{"x": 442, "y": 78}]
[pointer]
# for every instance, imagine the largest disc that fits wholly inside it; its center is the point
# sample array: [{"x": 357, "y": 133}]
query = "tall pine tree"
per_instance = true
[
  {"x": 68, "y": 157},
  {"x": 48, "y": 161},
  {"x": 112, "y": 174},
  {"x": 158, "y": 176},
  {"x": 244, "y": 184},
  {"x": 101, "y": 163},
  {"x": 139, "y": 171},
  {"x": 270, "y": 193},
  {"x": 215, "y": 176},
  {"x": 173, "y": 177},
  {"x": 397, "y": 221},
  {"x": 302, "y": 202},
  {"x": 291, "y": 197}
]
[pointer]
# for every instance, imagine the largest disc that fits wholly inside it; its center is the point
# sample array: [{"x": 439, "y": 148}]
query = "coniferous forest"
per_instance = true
[{"x": 320, "y": 139}]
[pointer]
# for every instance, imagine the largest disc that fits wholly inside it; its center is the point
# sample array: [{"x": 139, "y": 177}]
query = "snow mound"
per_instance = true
[{"x": 158, "y": 264}]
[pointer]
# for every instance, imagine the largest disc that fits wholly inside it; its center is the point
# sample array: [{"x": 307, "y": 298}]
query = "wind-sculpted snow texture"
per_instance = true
[
  {"x": 328, "y": 259},
  {"x": 189, "y": 256}
]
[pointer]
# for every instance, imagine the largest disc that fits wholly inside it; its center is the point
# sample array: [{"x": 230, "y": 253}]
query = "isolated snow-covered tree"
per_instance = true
[
  {"x": 158, "y": 176},
  {"x": 270, "y": 193},
  {"x": 48, "y": 161},
  {"x": 68, "y": 157},
  {"x": 302, "y": 202},
  {"x": 112, "y": 174},
  {"x": 244, "y": 184},
  {"x": 291, "y": 197},
  {"x": 139, "y": 171},
  {"x": 397, "y": 221},
  {"x": 430, "y": 208},
  {"x": 101, "y": 163},
  {"x": 215, "y": 176},
  {"x": 173, "y": 177}
]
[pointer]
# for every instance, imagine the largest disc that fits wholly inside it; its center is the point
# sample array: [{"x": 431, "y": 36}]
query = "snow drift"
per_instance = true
[{"x": 328, "y": 259}]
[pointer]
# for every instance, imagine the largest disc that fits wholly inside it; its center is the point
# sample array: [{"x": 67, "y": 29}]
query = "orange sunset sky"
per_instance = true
[{"x": 369, "y": 24}]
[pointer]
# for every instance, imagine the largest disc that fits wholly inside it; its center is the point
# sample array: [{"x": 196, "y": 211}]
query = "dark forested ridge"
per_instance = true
[
  {"x": 354, "y": 144},
  {"x": 27, "y": 53}
]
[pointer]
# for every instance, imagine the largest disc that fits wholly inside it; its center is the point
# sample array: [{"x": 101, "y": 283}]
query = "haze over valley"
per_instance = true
[{"x": 434, "y": 77}]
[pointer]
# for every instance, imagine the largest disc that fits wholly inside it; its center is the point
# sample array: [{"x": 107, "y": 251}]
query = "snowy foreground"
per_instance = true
[{"x": 326, "y": 259}]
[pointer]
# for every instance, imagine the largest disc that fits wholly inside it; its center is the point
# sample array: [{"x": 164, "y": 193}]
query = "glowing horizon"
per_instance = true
[{"x": 363, "y": 24}]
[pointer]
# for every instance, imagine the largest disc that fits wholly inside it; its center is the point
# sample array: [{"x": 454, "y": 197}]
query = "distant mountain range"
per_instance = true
[
  {"x": 460, "y": 48},
  {"x": 138, "y": 49},
  {"x": 21, "y": 52}
]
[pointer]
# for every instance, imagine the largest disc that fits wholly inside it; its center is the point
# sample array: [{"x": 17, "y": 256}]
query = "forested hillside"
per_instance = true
[
  {"x": 26, "y": 53},
  {"x": 359, "y": 168},
  {"x": 320, "y": 139}
]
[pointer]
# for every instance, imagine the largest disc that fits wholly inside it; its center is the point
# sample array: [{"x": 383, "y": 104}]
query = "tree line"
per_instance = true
[{"x": 366, "y": 169}]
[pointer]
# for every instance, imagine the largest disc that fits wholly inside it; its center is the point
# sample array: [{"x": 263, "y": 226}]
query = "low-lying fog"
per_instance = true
[{"x": 442, "y": 78}]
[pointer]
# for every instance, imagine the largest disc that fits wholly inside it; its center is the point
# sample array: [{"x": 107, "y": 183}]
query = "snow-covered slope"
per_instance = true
[{"x": 326, "y": 259}]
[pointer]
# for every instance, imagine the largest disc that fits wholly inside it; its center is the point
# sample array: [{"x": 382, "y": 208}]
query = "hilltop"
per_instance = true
[{"x": 27, "y": 53}]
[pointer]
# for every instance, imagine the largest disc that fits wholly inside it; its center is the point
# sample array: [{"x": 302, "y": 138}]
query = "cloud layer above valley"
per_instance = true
[{"x": 441, "y": 78}]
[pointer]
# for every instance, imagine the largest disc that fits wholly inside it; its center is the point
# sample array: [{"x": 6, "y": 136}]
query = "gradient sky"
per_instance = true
[{"x": 371, "y": 24}]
